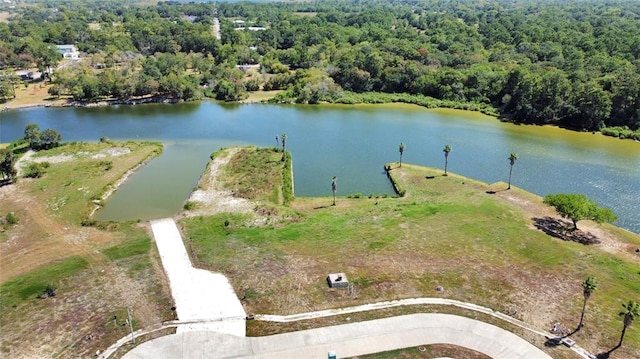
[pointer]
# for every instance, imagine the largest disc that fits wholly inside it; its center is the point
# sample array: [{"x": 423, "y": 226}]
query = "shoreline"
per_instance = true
[
  {"x": 69, "y": 103},
  {"x": 111, "y": 188},
  {"x": 161, "y": 99}
]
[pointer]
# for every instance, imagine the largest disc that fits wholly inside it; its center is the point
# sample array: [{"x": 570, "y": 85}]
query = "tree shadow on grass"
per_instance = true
[
  {"x": 552, "y": 342},
  {"x": 607, "y": 354},
  {"x": 564, "y": 230}
]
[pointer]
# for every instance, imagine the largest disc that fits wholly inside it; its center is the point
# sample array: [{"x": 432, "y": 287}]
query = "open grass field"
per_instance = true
[
  {"x": 478, "y": 241},
  {"x": 95, "y": 273},
  {"x": 34, "y": 94},
  {"x": 258, "y": 96}
]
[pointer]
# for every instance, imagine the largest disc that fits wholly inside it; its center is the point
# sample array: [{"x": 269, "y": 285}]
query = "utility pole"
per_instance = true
[{"x": 133, "y": 339}]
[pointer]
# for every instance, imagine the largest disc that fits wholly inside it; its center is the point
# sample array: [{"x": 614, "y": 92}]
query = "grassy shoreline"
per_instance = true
[{"x": 448, "y": 231}]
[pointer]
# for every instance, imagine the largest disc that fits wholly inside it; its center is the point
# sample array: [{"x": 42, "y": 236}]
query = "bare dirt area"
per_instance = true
[
  {"x": 38, "y": 239},
  {"x": 210, "y": 198}
]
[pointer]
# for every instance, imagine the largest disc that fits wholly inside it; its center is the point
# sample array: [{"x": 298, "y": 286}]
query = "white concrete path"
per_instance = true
[
  {"x": 347, "y": 340},
  {"x": 203, "y": 300}
]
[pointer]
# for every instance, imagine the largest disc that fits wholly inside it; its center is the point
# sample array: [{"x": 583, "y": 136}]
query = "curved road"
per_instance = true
[
  {"x": 347, "y": 340},
  {"x": 212, "y": 324}
]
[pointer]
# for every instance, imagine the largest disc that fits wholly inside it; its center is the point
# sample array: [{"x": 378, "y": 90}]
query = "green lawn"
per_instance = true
[{"x": 446, "y": 231}]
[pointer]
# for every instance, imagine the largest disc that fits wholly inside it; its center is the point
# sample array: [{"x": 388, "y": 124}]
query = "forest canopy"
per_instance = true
[{"x": 569, "y": 63}]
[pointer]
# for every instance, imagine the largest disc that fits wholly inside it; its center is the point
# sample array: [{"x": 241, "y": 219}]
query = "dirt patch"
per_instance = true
[
  {"x": 210, "y": 198},
  {"x": 112, "y": 152},
  {"x": 38, "y": 239}
]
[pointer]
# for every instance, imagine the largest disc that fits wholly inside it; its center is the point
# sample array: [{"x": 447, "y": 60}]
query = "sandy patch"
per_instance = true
[
  {"x": 28, "y": 158},
  {"x": 112, "y": 152},
  {"x": 210, "y": 198}
]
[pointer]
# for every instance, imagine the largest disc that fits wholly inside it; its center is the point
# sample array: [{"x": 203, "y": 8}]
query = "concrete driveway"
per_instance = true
[
  {"x": 203, "y": 300},
  {"x": 347, "y": 340}
]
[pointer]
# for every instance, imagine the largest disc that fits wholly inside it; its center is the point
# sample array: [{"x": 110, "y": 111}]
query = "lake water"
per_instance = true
[{"x": 351, "y": 142}]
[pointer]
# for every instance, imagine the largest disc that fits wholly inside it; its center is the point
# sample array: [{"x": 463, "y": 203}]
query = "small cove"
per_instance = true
[{"x": 351, "y": 142}]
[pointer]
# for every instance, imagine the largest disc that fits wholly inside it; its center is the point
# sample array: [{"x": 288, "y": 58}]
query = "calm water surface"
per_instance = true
[{"x": 351, "y": 142}]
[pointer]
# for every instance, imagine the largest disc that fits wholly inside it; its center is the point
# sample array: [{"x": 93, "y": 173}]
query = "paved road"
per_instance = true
[
  {"x": 203, "y": 300},
  {"x": 347, "y": 340}
]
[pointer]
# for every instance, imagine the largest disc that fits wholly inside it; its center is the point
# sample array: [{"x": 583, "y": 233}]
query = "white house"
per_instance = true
[{"x": 68, "y": 51}]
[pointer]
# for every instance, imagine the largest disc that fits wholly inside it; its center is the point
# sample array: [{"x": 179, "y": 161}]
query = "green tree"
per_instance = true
[
  {"x": 577, "y": 207},
  {"x": 446, "y": 151},
  {"x": 32, "y": 134},
  {"x": 588, "y": 287},
  {"x": 49, "y": 139},
  {"x": 629, "y": 314},
  {"x": 401, "y": 150},
  {"x": 512, "y": 161},
  {"x": 7, "y": 164},
  {"x": 334, "y": 188}
]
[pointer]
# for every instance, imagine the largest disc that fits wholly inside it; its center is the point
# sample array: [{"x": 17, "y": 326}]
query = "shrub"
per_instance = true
[
  {"x": 252, "y": 85},
  {"x": 36, "y": 170},
  {"x": 189, "y": 206},
  {"x": 621, "y": 132},
  {"x": 11, "y": 218},
  {"x": 107, "y": 165}
]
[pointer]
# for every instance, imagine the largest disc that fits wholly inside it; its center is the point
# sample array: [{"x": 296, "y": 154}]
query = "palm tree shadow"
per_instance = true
[
  {"x": 607, "y": 354},
  {"x": 321, "y": 207},
  {"x": 496, "y": 191},
  {"x": 564, "y": 230}
]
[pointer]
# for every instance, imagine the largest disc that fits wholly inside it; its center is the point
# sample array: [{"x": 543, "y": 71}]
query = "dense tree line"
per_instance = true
[{"x": 575, "y": 64}]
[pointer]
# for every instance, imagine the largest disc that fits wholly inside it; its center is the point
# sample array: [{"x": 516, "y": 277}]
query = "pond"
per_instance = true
[{"x": 350, "y": 142}]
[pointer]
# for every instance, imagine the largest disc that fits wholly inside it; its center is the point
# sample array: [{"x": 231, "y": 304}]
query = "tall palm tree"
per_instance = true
[
  {"x": 334, "y": 188},
  {"x": 512, "y": 161},
  {"x": 631, "y": 311},
  {"x": 401, "y": 149},
  {"x": 284, "y": 145},
  {"x": 588, "y": 287},
  {"x": 446, "y": 151}
]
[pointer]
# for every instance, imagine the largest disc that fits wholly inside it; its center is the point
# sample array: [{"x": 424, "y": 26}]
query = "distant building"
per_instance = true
[{"x": 68, "y": 51}]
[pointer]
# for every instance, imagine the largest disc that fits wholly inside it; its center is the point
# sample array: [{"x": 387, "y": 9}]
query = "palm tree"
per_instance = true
[
  {"x": 284, "y": 145},
  {"x": 512, "y": 161},
  {"x": 630, "y": 312},
  {"x": 588, "y": 287},
  {"x": 401, "y": 149},
  {"x": 334, "y": 188},
  {"x": 446, "y": 151}
]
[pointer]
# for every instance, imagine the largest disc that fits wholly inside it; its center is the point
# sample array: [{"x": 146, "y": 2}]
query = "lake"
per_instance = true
[{"x": 350, "y": 142}]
